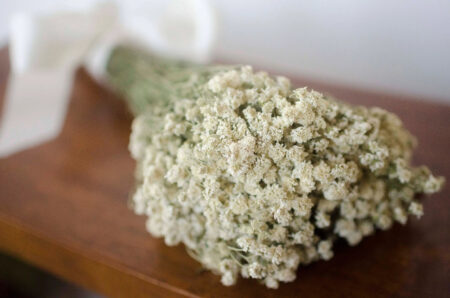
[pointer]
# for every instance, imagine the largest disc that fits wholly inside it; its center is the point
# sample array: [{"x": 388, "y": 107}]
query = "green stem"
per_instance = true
[{"x": 148, "y": 81}]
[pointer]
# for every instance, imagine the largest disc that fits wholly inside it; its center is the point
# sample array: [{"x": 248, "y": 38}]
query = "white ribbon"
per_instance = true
[{"x": 45, "y": 52}]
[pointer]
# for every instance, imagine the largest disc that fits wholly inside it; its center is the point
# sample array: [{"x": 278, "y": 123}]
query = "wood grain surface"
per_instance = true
[{"x": 63, "y": 208}]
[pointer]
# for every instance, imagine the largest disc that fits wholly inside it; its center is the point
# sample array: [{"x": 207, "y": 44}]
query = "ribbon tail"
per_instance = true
[{"x": 35, "y": 110}]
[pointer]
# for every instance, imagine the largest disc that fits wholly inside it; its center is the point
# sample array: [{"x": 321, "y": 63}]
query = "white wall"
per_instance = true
[{"x": 400, "y": 46}]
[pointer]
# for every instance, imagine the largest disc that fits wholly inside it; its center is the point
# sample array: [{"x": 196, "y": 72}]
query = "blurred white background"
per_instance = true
[{"x": 400, "y": 46}]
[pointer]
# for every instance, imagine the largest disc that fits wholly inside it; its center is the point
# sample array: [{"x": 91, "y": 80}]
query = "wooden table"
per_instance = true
[{"x": 63, "y": 208}]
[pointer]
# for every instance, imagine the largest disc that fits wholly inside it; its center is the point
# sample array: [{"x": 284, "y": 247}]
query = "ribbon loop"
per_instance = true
[{"x": 46, "y": 50}]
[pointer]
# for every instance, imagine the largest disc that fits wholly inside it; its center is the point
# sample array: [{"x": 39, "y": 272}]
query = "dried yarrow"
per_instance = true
[{"x": 255, "y": 177}]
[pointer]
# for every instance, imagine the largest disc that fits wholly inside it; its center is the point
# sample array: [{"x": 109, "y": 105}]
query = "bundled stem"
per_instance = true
[{"x": 146, "y": 80}]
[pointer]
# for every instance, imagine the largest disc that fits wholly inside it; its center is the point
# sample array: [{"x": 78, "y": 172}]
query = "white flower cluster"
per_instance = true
[{"x": 256, "y": 178}]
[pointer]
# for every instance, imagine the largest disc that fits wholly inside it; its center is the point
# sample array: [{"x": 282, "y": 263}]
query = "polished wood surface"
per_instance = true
[{"x": 63, "y": 208}]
